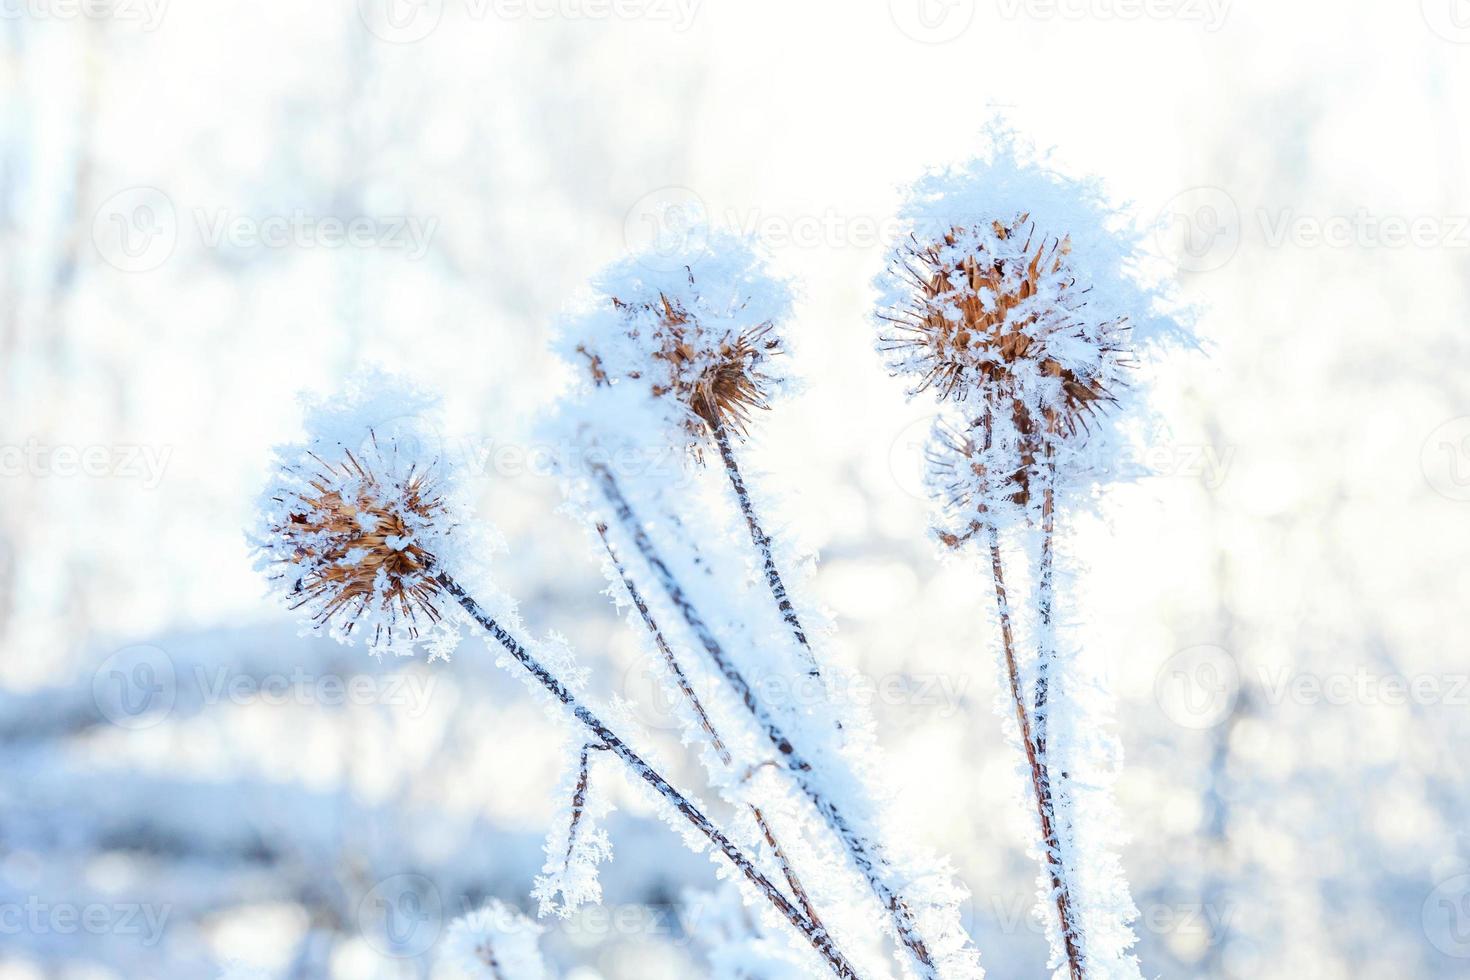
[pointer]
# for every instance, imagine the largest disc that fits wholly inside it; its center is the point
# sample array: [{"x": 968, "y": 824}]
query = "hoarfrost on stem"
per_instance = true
[{"x": 1021, "y": 300}]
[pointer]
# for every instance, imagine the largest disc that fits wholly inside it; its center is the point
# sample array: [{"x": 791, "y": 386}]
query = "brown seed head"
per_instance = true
[
  {"x": 352, "y": 537},
  {"x": 990, "y": 338},
  {"x": 721, "y": 381}
]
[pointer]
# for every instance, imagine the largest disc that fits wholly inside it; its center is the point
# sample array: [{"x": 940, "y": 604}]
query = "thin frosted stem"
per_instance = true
[
  {"x": 865, "y": 855},
  {"x": 762, "y": 542},
  {"x": 1046, "y": 651},
  {"x": 1040, "y": 779},
  {"x": 817, "y": 937},
  {"x": 579, "y": 795},
  {"x": 486, "y": 952},
  {"x": 718, "y": 744}
]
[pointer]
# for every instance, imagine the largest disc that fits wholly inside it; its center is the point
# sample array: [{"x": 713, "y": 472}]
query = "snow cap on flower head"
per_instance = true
[
  {"x": 1002, "y": 261},
  {"x": 699, "y": 332},
  {"x": 995, "y": 313},
  {"x": 357, "y": 518},
  {"x": 1015, "y": 294}
]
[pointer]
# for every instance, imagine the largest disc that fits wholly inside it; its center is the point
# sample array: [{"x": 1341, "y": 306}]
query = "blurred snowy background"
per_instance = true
[{"x": 207, "y": 206}]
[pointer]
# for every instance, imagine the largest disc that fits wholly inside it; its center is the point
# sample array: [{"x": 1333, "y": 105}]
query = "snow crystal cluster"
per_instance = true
[{"x": 577, "y": 843}]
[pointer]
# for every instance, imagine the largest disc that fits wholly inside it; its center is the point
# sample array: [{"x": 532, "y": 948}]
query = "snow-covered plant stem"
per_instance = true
[
  {"x": 1046, "y": 643},
  {"x": 762, "y": 542},
  {"x": 866, "y": 855},
  {"x": 1022, "y": 300},
  {"x": 579, "y": 795},
  {"x": 681, "y": 680},
  {"x": 360, "y": 529},
  {"x": 1041, "y": 782},
  {"x": 605, "y": 736},
  {"x": 684, "y": 354},
  {"x": 1051, "y": 786}
]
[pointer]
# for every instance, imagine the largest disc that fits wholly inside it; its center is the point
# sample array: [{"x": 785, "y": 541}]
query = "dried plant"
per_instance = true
[
  {"x": 1014, "y": 317},
  {"x": 705, "y": 343},
  {"x": 688, "y": 356},
  {"x": 1013, "y": 299},
  {"x": 719, "y": 377},
  {"x": 700, "y": 339},
  {"x": 347, "y": 548},
  {"x": 351, "y": 508},
  {"x": 996, "y": 312}
]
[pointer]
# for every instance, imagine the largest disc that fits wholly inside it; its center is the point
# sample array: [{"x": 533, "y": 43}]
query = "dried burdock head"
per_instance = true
[
  {"x": 352, "y": 541},
  {"x": 356, "y": 521},
  {"x": 701, "y": 339},
  {"x": 994, "y": 313},
  {"x": 1023, "y": 299},
  {"x": 719, "y": 375}
]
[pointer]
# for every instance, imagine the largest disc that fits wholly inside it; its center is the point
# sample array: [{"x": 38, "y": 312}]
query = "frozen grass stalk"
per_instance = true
[{"x": 865, "y": 854}]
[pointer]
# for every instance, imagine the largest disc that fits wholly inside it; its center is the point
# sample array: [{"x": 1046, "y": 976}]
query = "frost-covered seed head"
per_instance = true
[
  {"x": 719, "y": 376},
  {"x": 989, "y": 309},
  {"x": 350, "y": 543},
  {"x": 355, "y": 520},
  {"x": 994, "y": 321},
  {"x": 702, "y": 338},
  {"x": 1023, "y": 299}
]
